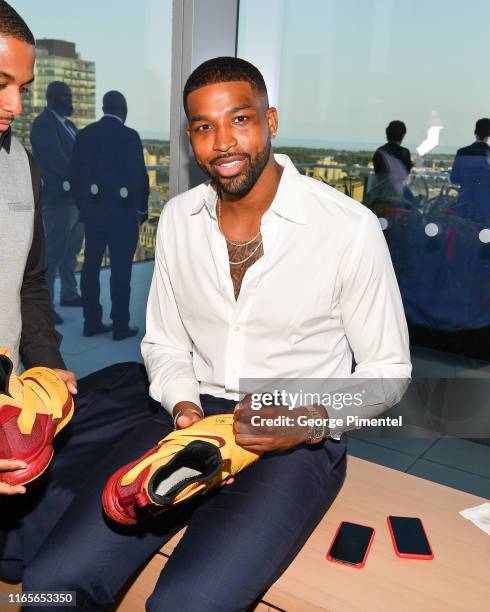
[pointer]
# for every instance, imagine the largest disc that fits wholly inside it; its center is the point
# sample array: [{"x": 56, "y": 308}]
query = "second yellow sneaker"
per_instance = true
[
  {"x": 34, "y": 408},
  {"x": 185, "y": 463}
]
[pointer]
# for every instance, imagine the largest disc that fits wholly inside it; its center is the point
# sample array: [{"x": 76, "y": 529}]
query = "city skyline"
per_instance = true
[
  {"x": 338, "y": 71},
  {"x": 130, "y": 45}
]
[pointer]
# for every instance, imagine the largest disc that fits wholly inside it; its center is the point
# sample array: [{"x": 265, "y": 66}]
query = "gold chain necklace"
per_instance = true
[{"x": 239, "y": 244}]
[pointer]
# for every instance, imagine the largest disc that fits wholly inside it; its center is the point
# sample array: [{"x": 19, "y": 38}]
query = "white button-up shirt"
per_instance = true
[{"x": 323, "y": 291}]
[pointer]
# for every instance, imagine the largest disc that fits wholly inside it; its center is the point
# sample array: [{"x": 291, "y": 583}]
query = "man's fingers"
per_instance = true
[
  {"x": 187, "y": 419},
  {"x": 254, "y": 440},
  {"x": 8, "y": 465},
  {"x": 255, "y": 448},
  {"x": 69, "y": 379},
  {"x": 6, "y": 489}
]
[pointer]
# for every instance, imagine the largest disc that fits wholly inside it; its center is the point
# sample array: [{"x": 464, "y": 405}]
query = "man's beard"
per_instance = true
[{"x": 241, "y": 184}]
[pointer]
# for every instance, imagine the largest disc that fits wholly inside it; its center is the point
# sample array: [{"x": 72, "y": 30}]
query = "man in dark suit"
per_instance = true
[
  {"x": 392, "y": 163},
  {"x": 52, "y": 138},
  {"x": 111, "y": 188},
  {"x": 471, "y": 170}
]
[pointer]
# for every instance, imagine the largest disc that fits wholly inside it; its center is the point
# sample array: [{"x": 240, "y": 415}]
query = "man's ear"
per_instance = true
[{"x": 272, "y": 120}]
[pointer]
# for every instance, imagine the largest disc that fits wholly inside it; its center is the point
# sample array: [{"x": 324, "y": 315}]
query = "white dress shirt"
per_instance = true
[{"x": 323, "y": 290}]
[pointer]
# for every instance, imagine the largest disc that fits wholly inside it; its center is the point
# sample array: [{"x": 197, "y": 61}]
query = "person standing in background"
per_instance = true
[
  {"x": 52, "y": 137},
  {"x": 392, "y": 164},
  {"x": 471, "y": 170},
  {"x": 111, "y": 189}
]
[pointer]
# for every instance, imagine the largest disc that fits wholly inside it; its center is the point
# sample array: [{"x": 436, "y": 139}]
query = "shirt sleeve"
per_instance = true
[
  {"x": 143, "y": 184},
  {"x": 39, "y": 341},
  {"x": 374, "y": 322},
  {"x": 379, "y": 162},
  {"x": 167, "y": 347},
  {"x": 455, "y": 176}
]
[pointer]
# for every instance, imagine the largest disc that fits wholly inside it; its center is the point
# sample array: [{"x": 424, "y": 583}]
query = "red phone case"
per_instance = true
[
  {"x": 363, "y": 562},
  {"x": 409, "y": 555}
]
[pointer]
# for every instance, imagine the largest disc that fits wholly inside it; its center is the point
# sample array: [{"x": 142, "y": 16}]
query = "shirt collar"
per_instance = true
[
  {"x": 287, "y": 202},
  {"x": 114, "y": 116},
  {"x": 58, "y": 116},
  {"x": 5, "y": 140}
]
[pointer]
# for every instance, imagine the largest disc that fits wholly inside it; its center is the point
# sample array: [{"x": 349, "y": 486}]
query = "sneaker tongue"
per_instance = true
[{"x": 10, "y": 386}]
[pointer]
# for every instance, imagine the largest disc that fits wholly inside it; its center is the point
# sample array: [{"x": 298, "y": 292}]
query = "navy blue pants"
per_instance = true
[
  {"x": 122, "y": 240},
  {"x": 240, "y": 538}
]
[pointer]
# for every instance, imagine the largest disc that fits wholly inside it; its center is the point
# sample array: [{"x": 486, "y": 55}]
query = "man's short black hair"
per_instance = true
[
  {"x": 12, "y": 24},
  {"x": 395, "y": 131},
  {"x": 224, "y": 70},
  {"x": 114, "y": 102},
  {"x": 482, "y": 128}
]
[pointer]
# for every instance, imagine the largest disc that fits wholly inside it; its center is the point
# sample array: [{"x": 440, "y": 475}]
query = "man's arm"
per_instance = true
[
  {"x": 455, "y": 176},
  {"x": 39, "y": 342},
  {"x": 374, "y": 322},
  {"x": 167, "y": 347},
  {"x": 48, "y": 151},
  {"x": 408, "y": 158},
  {"x": 76, "y": 171},
  {"x": 379, "y": 163},
  {"x": 144, "y": 185}
]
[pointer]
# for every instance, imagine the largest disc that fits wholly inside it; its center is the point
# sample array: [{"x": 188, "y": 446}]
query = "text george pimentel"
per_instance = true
[{"x": 330, "y": 422}]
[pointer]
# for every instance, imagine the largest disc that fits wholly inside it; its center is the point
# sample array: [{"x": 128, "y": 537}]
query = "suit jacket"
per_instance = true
[
  {"x": 392, "y": 164},
  {"x": 109, "y": 155},
  {"x": 391, "y": 151},
  {"x": 471, "y": 170},
  {"x": 52, "y": 147}
]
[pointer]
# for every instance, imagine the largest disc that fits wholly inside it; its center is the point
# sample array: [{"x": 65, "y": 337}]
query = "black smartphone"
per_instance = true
[
  {"x": 351, "y": 544},
  {"x": 409, "y": 538}
]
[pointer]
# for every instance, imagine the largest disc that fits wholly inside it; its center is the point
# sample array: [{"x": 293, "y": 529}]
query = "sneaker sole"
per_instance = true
[{"x": 109, "y": 500}]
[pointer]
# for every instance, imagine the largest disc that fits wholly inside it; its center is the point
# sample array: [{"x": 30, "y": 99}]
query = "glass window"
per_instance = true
[
  {"x": 106, "y": 46},
  {"x": 381, "y": 100},
  {"x": 104, "y": 184}
]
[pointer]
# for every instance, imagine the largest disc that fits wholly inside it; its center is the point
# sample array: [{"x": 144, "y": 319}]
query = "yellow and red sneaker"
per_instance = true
[
  {"x": 185, "y": 463},
  {"x": 34, "y": 407}
]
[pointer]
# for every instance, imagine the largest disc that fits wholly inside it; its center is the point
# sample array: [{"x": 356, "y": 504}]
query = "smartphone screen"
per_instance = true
[
  {"x": 351, "y": 544},
  {"x": 409, "y": 537}
]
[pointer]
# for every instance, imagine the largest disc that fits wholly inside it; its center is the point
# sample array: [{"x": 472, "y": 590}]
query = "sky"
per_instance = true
[
  {"x": 338, "y": 70},
  {"x": 130, "y": 43}
]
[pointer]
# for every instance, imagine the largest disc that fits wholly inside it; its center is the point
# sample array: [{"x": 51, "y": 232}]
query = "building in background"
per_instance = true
[
  {"x": 58, "y": 60},
  {"x": 151, "y": 160}
]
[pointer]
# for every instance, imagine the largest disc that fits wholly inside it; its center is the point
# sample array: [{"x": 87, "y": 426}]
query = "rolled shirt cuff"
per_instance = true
[{"x": 184, "y": 390}]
